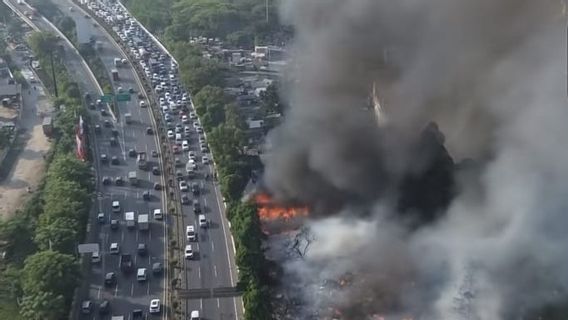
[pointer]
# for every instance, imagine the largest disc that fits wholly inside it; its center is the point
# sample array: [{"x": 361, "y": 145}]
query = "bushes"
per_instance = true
[{"x": 41, "y": 269}]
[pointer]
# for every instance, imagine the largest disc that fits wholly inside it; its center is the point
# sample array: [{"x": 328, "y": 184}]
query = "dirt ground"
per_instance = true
[{"x": 28, "y": 164}]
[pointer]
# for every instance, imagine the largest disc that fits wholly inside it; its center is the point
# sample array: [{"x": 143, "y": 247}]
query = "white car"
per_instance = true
[
  {"x": 95, "y": 257},
  {"x": 194, "y": 315},
  {"x": 201, "y": 139},
  {"x": 196, "y": 125},
  {"x": 188, "y": 253},
  {"x": 154, "y": 306},
  {"x": 202, "y": 221},
  {"x": 184, "y": 119},
  {"x": 192, "y": 115},
  {"x": 185, "y": 145},
  {"x": 158, "y": 215},
  {"x": 114, "y": 248},
  {"x": 116, "y": 206},
  {"x": 205, "y": 160},
  {"x": 183, "y": 186},
  {"x": 199, "y": 130},
  {"x": 171, "y": 134},
  {"x": 204, "y": 148}
]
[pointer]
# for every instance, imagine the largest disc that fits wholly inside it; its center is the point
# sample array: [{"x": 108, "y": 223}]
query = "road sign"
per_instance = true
[
  {"x": 122, "y": 97},
  {"x": 106, "y": 98}
]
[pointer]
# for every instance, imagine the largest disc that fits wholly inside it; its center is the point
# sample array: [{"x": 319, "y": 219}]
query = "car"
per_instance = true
[
  {"x": 137, "y": 314},
  {"x": 87, "y": 16},
  {"x": 107, "y": 124},
  {"x": 179, "y": 175},
  {"x": 203, "y": 223},
  {"x": 196, "y": 125},
  {"x": 114, "y": 160},
  {"x": 193, "y": 115},
  {"x": 194, "y": 315},
  {"x": 71, "y": 9},
  {"x": 131, "y": 90},
  {"x": 92, "y": 106},
  {"x": 104, "y": 158},
  {"x": 188, "y": 252},
  {"x": 114, "y": 224},
  {"x": 114, "y": 248},
  {"x": 114, "y": 132},
  {"x": 97, "y": 128},
  {"x": 184, "y": 199},
  {"x": 95, "y": 257},
  {"x": 101, "y": 217},
  {"x": 104, "y": 112},
  {"x": 196, "y": 206},
  {"x": 177, "y": 162},
  {"x": 106, "y": 181},
  {"x": 203, "y": 147},
  {"x": 146, "y": 195},
  {"x": 186, "y": 130},
  {"x": 132, "y": 153},
  {"x": 86, "y": 306},
  {"x": 185, "y": 119},
  {"x": 157, "y": 186},
  {"x": 149, "y": 130},
  {"x": 142, "y": 103},
  {"x": 113, "y": 141},
  {"x": 202, "y": 139},
  {"x": 176, "y": 149},
  {"x": 195, "y": 188},
  {"x": 116, "y": 206},
  {"x": 205, "y": 160},
  {"x": 155, "y": 170},
  {"x": 142, "y": 250},
  {"x": 171, "y": 134},
  {"x": 120, "y": 90},
  {"x": 190, "y": 233},
  {"x": 104, "y": 307},
  {"x": 199, "y": 130},
  {"x": 185, "y": 145},
  {"x": 110, "y": 278},
  {"x": 157, "y": 268},
  {"x": 183, "y": 187},
  {"x": 154, "y": 153},
  {"x": 192, "y": 155},
  {"x": 119, "y": 181},
  {"x": 154, "y": 306}
]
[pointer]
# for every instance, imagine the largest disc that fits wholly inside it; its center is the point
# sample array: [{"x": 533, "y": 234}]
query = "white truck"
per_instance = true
[
  {"x": 129, "y": 218},
  {"x": 143, "y": 222},
  {"x": 132, "y": 177},
  {"x": 117, "y": 62}
]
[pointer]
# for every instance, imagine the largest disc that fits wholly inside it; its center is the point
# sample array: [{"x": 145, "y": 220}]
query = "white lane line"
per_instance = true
[
  {"x": 215, "y": 270},
  {"x": 132, "y": 290},
  {"x": 99, "y": 293},
  {"x": 123, "y": 146},
  {"x": 116, "y": 290},
  {"x": 135, "y": 257},
  {"x": 201, "y": 304},
  {"x": 148, "y": 288},
  {"x": 199, "y": 272},
  {"x": 212, "y": 247},
  {"x": 149, "y": 233},
  {"x": 218, "y": 304}
]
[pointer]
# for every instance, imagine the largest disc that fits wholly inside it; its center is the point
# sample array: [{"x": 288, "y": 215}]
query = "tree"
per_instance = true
[
  {"x": 67, "y": 26},
  {"x": 255, "y": 301},
  {"x": 50, "y": 271},
  {"x": 209, "y": 97},
  {"x": 199, "y": 72},
  {"x": 227, "y": 141},
  {"x": 44, "y": 305},
  {"x": 232, "y": 186},
  {"x": 60, "y": 234},
  {"x": 67, "y": 167},
  {"x": 270, "y": 100},
  {"x": 43, "y": 43}
]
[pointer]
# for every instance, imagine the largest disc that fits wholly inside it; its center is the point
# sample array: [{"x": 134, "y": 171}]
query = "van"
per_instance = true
[
  {"x": 115, "y": 206},
  {"x": 179, "y": 138},
  {"x": 141, "y": 274},
  {"x": 202, "y": 221},
  {"x": 194, "y": 315},
  {"x": 190, "y": 233}
]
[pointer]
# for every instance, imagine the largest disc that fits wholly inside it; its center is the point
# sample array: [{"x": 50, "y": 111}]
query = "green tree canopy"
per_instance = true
[
  {"x": 50, "y": 271},
  {"x": 43, "y": 305}
]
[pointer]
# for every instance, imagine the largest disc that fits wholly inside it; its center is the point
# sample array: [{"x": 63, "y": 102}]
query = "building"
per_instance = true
[{"x": 9, "y": 89}]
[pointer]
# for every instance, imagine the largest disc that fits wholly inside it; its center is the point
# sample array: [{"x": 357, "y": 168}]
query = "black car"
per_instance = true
[
  {"x": 131, "y": 90},
  {"x": 104, "y": 112},
  {"x": 92, "y": 106},
  {"x": 157, "y": 186},
  {"x": 114, "y": 224},
  {"x": 137, "y": 314},
  {"x": 179, "y": 175},
  {"x": 119, "y": 181},
  {"x": 106, "y": 181},
  {"x": 114, "y": 132},
  {"x": 113, "y": 141},
  {"x": 195, "y": 188},
  {"x": 196, "y": 207},
  {"x": 146, "y": 195},
  {"x": 87, "y": 96},
  {"x": 132, "y": 153},
  {"x": 107, "y": 124},
  {"x": 104, "y": 158},
  {"x": 110, "y": 279},
  {"x": 97, "y": 128},
  {"x": 149, "y": 130},
  {"x": 104, "y": 307},
  {"x": 114, "y": 160},
  {"x": 154, "y": 153},
  {"x": 141, "y": 249},
  {"x": 155, "y": 171},
  {"x": 157, "y": 268},
  {"x": 184, "y": 199}
]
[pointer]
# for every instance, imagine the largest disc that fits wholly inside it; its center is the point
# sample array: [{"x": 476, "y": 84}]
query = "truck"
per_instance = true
[
  {"x": 117, "y": 62},
  {"x": 141, "y": 160},
  {"x": 128, "y": 118},
  {"x": 114, "y": 75},
  {"x": 129, "y": 218},
  {"x": 133, "y": 178},
  {"x": 190, "y": 167},
  {"x": 143, "y": 222},
  {"x": 47, "y": 126},
  {"x": 117, "y": 318},
  {"x": 126, "y": 263}
]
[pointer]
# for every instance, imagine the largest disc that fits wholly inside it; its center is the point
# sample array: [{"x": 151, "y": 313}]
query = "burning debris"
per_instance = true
[{"x": 276, "y": 218}]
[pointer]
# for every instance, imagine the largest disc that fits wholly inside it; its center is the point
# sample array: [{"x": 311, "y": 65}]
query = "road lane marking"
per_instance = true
[
  {"x": 132, "y": 290},
  {"x": 199, "y": 272},
  {"x": 148, "y": 286},
  {"x": 218, "y": 304},
  {"x": 99, "y": 293},
  {"x": 215, "y": 270},
  {"x": 212, "y": 247},
  {"x": 116, "y": 290},
  {"x": 201, "y": 304}
]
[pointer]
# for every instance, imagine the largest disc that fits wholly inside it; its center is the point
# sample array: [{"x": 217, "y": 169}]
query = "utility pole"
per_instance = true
[{"x": 53, "y": 75}]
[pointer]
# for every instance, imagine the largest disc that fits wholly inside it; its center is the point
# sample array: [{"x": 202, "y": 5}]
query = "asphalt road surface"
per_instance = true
[{"x": 127, "y": 294}]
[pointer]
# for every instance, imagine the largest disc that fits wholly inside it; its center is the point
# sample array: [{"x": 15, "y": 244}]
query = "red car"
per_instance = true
[{"x": 177, "y": 149}]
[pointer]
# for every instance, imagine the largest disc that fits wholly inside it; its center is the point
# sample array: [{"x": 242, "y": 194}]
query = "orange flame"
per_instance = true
[{"x": 268, "y": 211}]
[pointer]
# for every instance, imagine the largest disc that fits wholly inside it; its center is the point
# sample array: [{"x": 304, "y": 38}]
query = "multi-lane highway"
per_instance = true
[
  {"x": 208, "y": 277},
  {"x": 127, "y": 293}
]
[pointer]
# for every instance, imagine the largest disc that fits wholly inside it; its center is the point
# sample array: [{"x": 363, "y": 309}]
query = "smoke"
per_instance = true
[{"x": 491, "y": 73}]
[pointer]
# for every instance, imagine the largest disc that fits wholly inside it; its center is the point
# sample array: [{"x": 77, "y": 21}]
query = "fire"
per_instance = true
[{"x": 268, "y": 211}]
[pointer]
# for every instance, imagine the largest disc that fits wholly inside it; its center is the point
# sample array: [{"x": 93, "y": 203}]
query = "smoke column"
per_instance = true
[{"x": 491, "y": 73}]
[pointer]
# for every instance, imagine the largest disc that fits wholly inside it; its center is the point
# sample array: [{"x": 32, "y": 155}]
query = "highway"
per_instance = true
[
  {"x": 127, "y": 294},
  {"x": 212, "y": 268}
]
